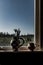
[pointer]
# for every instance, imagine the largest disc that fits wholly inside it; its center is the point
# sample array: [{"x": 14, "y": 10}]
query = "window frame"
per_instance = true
[{"x": 37, "y": 27}]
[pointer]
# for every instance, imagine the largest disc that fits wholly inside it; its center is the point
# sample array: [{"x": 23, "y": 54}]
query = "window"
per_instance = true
[{"x": 21, "y": 14}]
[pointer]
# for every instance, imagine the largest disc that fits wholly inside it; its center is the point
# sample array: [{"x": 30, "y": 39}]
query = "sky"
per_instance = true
[{"x": 16, "y": 14}]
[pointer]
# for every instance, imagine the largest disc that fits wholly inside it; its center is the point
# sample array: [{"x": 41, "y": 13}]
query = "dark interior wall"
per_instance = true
[{"x": 41, "y": 23}]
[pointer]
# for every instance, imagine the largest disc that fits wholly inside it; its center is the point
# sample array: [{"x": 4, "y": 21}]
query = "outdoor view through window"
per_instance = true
[{"x": 16, "y": 15}]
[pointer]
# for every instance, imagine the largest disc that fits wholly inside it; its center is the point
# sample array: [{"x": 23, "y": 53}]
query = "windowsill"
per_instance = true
[{"x": 21, "y": 49}]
